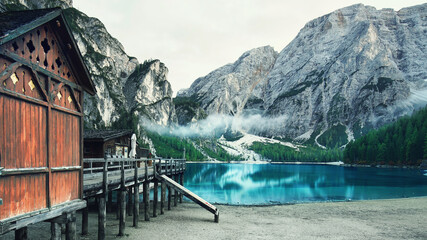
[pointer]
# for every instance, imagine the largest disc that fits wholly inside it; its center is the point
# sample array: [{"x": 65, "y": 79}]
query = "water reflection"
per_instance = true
[{"x": 266, "y": 184}]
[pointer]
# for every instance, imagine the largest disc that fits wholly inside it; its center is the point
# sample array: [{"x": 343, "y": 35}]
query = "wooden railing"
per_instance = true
[{"x": 162, "y": 165}]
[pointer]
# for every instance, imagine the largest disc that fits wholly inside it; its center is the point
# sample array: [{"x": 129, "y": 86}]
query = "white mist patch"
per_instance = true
[{"x": 216, "y": 125}]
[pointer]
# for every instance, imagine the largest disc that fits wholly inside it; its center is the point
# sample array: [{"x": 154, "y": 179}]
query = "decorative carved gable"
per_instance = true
[{"x": 41, "y": 47}]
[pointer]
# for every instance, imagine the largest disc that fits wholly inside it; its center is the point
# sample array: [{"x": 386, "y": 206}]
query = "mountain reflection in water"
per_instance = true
[{"x": 269, "y": 184}]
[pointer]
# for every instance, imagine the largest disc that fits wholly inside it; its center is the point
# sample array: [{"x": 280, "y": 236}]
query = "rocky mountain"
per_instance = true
[
  {"x": 236, "y": 86},
  {"x": 346, "y": 72},
  {"x": 124, "y": 86}
]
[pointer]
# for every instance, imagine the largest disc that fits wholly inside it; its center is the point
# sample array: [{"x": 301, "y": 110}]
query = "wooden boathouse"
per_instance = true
[{"x": 42, "y": 82}]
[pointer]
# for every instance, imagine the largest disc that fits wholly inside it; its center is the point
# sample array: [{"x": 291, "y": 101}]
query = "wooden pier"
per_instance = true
[{"x": 125, "y": 176}]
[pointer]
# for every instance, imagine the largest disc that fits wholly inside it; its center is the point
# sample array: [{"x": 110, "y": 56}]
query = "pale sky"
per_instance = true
[{"x": 195, "y": 37}]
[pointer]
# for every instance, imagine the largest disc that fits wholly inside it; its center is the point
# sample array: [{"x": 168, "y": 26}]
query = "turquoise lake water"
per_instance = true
[{"x": 260, "y": 184}]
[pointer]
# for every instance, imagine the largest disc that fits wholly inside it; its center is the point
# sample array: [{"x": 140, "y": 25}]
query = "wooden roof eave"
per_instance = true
[{"x": 30, "y": 26}]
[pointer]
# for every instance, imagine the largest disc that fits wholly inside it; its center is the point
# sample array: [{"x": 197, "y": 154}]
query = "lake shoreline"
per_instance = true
[{"x": 339, "y": 163}]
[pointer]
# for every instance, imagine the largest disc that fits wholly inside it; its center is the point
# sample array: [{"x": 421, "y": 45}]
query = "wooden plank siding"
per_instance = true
[
  {"x": 40, "y": 125},
  {"x": 22, "y": 194},
  {"x": 65, "y": 153},
  {"x": 24, "y": 138}
]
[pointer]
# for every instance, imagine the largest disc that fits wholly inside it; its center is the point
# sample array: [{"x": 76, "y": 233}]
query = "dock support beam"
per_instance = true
[
  {"x": 21, "y": 234},
  {"x": 136, "y": 198},
  {"x": 117, "y": 204},
  {"x": 181, "y": 181},
  {"x": 122, "y": 218},
  {"x": 146, "y": 193},
  {"x": 169, "y": 197},
  {"x": 216, "y": 217},
  {"x": 102, "y": 218},
  {"x": 71, "y": 233},
  {"x": 85, "y": 220},
  {"x": 175, "y": 195},
  {"x": 162, "y": 197},
  {"x": 102, "y": 208},
  {"x": 130, "y": 205},
  {"x": 55, "y": 229},
  {"x": 110, "y": 201},
  {"x": 155, "y": 197}
]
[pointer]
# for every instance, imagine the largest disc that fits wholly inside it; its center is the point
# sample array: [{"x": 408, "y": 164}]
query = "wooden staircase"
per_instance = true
[{"x": 203, "y": 203}]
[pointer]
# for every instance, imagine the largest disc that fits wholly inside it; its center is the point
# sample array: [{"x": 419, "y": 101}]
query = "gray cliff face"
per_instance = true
[
  {"x": 108, "y": 65},
  {"x": 149, "y": 94},
  {"x": 230, "y": 88},
  {"x": 355, "y": 68},
  {"x": 110, "y": 68},
  {"x": 188, "y": 110}
]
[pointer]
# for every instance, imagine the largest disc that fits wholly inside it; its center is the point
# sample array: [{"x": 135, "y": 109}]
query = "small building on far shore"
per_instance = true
[{"x": 97, "y": 143}]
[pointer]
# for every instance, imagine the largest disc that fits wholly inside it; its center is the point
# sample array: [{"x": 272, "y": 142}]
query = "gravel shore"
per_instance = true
[{"x": 373, "y": 219}]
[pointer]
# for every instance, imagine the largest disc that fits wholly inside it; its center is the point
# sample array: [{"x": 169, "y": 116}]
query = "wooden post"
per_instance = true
[
  {"x": 146, "y": 170},
  {"x": 102, "y": 208},
  {"x": 63, "y": 228},
  {"x": 155, "y": 197},
  {"x": 216, "y": 218},
  {"x": 162, "y": 197},
  {"x": 175, "y": 196},
  {"x": 136, "y": 197},
  {"x": 146, "y": 194},
  {"x": 129, "y": 205},
  {"x": 117, "y": 205},
  {"x": 102, "y": 218},
  {"x": 122, "y": 220},
  {"x": 110, "y": 201},
  {"x": 181, "y": 181},
  {"x": 21, "y": 234},
  {"x": 169, "y": 197},
  {"x": 85, "y": 220},
  {"x": 55, "y": 229},
  {"x": 71, "y": 233}
]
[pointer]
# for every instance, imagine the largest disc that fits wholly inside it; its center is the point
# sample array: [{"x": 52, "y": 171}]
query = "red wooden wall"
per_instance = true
[{"x": 40, "y": 125}]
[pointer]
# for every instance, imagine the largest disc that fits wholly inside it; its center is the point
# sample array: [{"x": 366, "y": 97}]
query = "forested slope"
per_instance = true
[{"x": 401, "y": 143}]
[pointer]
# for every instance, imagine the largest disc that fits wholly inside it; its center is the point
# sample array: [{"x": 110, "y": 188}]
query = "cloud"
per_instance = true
[{"x": 216, "y": 125}]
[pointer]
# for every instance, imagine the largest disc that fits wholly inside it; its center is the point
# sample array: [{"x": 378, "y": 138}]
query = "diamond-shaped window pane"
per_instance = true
[
  {"x": 59, "y": 95},
  {"x": 14, "y": 78},
  {"x": 31, "y": 84},
  {"x": 70, "y": 100}
]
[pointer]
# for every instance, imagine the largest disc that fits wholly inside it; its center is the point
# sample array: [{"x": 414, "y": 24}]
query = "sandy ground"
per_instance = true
[{"x": 375, "y": 219}]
